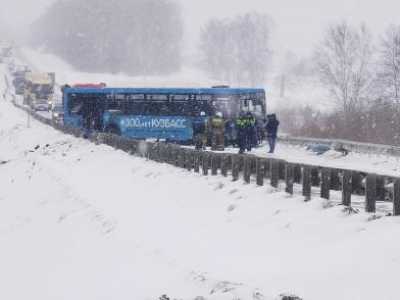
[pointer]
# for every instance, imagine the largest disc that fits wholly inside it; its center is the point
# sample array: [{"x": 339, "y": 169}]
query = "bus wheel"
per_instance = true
[{"x": 113, "y": 130}]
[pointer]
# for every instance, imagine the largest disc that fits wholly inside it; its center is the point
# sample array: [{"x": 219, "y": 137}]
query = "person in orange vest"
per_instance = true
[{"x": 217, "y": 128}]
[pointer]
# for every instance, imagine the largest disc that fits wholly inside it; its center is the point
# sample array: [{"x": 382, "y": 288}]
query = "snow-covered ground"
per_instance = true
[{"x": 84, "y": 221}]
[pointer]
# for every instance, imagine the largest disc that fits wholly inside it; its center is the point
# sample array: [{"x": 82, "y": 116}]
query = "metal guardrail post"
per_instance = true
[
  {"x": 396, "y": 197},
  {"x": 205, "y": 163},
  {"x": 275, "y": 164},
  {"x": 325, "y": 183},
  {"x": 306, "y": 176},
  {"x": 247, "y": 169},
  {"x": 370, "y": 197},
  {"x": 235, "y": 167},
  {"x": 289, "y": 178},
  {"x": 346, "y": 187},
  {"x": 260, "y": 170}
]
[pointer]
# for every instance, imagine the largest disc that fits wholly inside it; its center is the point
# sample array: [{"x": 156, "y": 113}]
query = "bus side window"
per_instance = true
[{"x": 75, "y": 105}]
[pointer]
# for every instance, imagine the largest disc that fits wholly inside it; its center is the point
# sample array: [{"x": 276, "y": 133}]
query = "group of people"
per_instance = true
[{"x": 246, "y": 131}]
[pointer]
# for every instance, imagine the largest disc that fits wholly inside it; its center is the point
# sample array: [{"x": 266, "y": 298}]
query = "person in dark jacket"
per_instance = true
[
  {"x": 250, "y": 131},
  {"x": 272, "y": 131}
]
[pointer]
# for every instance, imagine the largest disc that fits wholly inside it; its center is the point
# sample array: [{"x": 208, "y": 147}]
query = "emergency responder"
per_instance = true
[
  {"x": 241, "y": 127},
  {"x": 217, "y": 128},
  {"x": 200, "y": 131},
  {"x": 251, "y": 134}
]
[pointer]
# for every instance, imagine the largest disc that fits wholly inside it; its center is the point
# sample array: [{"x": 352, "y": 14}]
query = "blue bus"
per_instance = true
[{"x": 156, "y": 113}]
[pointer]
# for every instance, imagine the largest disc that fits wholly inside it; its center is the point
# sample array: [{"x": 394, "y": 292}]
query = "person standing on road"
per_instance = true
[
  {"x": 250, "y": 131},
  {"x": 272, "y": 132},
  {"x": 241, "y": 127},
  {"x": 217, "y": 127},
  {"x": 200, "y": 131}
]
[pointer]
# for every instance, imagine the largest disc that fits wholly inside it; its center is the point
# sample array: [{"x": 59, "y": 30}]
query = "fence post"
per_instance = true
[
  {"x": 307, "y": 183},
  {"x": 247, "y": 169},
  {"x": 181, "y": 157},
  {"x": 189, "y": 159},
  {"x": 289, "y": 178},
  {"x": 346, "y": 188},
  {"x": 267, "y": 168},
  {"x": 260, "y": 171},
  {"x": 171, "y": 154},
  {"x": 235, "y": 167},
  {"x": 335, "y": 180},
  {"x": 370, "y": 197},
  {"x": 175, "y": 156},
  {"x": 396, "y": 197},
  {"x": 275, "y": 173},
  {"x": 205, "y": 163},
  {"x": 225, "y": 165},
  {"x": 315, "y": 180},
  {"x": 197, "y": 155},
  {"x": 161, "y": 152},
  {"x": 156, "y": 151},
  {"x": 152, "y": 150},
  {"x": 297, "y": 174},
  {"x": 214, "y": 163},
  {"x": 356, "y": 183},
  {"x": 325, "y": 183},
  {"x": 380, "y": 188},
  {"x": 282, "y": 169}
]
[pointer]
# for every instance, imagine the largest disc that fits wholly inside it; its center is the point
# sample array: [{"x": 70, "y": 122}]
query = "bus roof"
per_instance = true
[{"x": 196, "y": 91}]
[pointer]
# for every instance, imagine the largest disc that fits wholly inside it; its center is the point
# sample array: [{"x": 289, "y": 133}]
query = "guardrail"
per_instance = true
[
  {"x": 357, "y": 147},
  {"x": 256, "y": 170}
]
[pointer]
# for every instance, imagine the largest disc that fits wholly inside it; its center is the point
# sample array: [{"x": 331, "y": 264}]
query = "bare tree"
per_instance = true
[
  {"x": 139, "y": 37},
  {"x": 237, "y": 50},
  {"x": 344, "y": 63},
  {"x": 389, "y": 63}
]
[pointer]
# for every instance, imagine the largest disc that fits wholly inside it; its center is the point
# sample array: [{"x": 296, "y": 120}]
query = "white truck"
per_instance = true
[{"x": 39, "y": 90}]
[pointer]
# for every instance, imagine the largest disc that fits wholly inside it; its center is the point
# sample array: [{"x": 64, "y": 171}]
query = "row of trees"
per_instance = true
[
  {"x": 145, "y": 37},
  {"x": 363, "y": 79},
  {"x": 237, "y": 50},
  {"x": 139, "y": 37}
]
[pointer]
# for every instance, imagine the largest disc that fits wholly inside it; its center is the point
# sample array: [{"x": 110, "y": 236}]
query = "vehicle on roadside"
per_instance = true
[
  {"x": 39, "y": 90},
  {"x": 156, "y": 113},
  {"x": 19, "y": 81},
  {"x": 57, "y": 114}
]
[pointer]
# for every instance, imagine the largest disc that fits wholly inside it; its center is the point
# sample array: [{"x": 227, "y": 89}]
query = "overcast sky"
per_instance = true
[{"x": 299, "y": 23}]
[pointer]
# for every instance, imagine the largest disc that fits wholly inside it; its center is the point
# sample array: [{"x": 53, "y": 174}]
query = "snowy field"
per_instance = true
[{"x": 86, "y": 222}]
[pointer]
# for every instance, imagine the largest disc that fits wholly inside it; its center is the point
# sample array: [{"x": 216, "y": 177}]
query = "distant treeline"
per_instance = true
[
  {"x": 138, "y": 37},
  {"x": 362, "y": 77},
  {"x": 145, "y": 37}
]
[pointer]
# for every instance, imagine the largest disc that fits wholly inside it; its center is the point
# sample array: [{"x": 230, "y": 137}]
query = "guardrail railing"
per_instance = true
[
  {"x": 257, "y": 170},
  {"x": 357, "y": 147}
]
